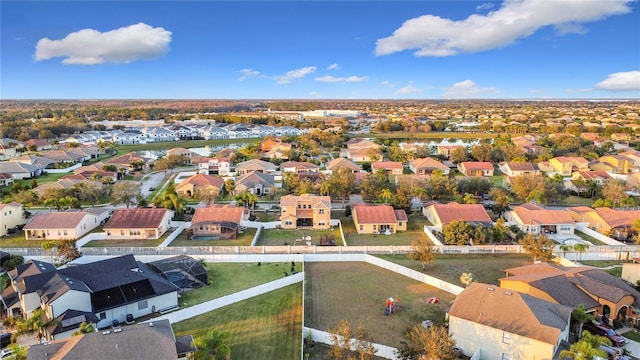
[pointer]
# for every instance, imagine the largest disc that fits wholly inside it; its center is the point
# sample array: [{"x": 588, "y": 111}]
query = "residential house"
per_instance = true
[
  {"x": 129, "y": 137},
  {"x": 361, "y": 155},
  {"x": 380, "y": 219},
  {"x": 255, "y": 182},
  {"x": 476, "y": 168},
  {"x": 19, "y": 171},
  {"x": 339, "y": 163},
  {"x": 115, "y": 290},
  {"x": 66, "y": 225},
  {"x": 200, "y": 184},
  {"x": 616, "y": 164},
  {"x": 214, "y": 166},
  {"x": 527, "y": 143},
  {"x": 131, "y": 161},
  {"x": 599, "y": 292},
  {"x": 270, "y": 144},
  {"x": 11, "y": 217},
  {"x": 427, "y": 166},
  {"x": 67, "y": 183},
  {"x": 141, "y": 223},
  {"x": 279, "y": 152},
  {"x": 441, "y": 215},
  {"x": 389, "y": 167},
  {"x": 518, "y": 169},
  {"x": 599, "y": 177},
  {"x": 148, "y": 340},
  {"x": 6, "y": 179},
  {"x": 360, "y": 143},
  {"x": 634, "y": 156},
  {"x": 8, "y": 151},
  {"x": 534, "y": 219},
  {"x": 190, "y": 156},
  {"x": 306, "y": 210},
  {"x": 566, "y": 165},
  {"x": 38, "y": 145},
  {"x": 299, "y": 167},
  {"x": 217, "y": 222},
  {"x": 614, "y": 222},
  {"x": 444, "y": 151},
  {"x": 255, "y": 165},
  {"x": 498, "y": 323},
  {"x": 159, "y": 134},
  {"x": 621, "y": 137}
]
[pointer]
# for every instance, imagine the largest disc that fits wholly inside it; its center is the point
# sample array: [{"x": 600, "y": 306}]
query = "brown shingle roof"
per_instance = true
[
  {"x": 380, "y": 214},
  {"x": 532, "y": 214},
  {"x": 428, "y": 163},
  {"x": 616, "y": 218},
  {"x": 340, "y": 162},
  {"x": 386, "y": 165},
  {"x": 55, "y": 220},
  {"x": 136, "y": 219},
  {"x": 465, "y": 212},
  {"x": 219, "y": 213},
  {"x": 200, "y": 180},
  {"x": 512, "y": 312},
  {"x": 477, "y": 165},
  {"x": 520, "y": 166}
]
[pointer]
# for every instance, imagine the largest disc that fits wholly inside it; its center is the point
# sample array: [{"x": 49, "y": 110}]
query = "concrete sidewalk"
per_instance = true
[{"x": 632, "y": 346}]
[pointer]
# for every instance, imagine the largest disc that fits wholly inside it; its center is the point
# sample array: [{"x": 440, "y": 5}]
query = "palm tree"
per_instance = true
[
  {"x": 586, "y": 348},
  {"x": 214, "y": 345},
  {"x": 580, "y": 248},
  {"x": 579, "y": 317},
  {"x": 385, "y": 195},
  {"x": 565, "y": 249},
  {"x": 466, "y": 278},
  {"x": 325, "y": 188}
]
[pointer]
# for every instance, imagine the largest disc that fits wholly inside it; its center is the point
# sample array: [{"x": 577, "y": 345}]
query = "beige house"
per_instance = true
[
  {"x": 11, "y": 215},
  {"x": 380, "y": 219},
  {"x": 140, "y": 223},
  {"x": 341, "y": 162},
  {"x": 217, "y": 222},
  {"x": 390, "y": 167},
  {"x": 518, "y": 169},
  {"x": 60, "y": 225},
  {"x": 534, "y": 219},
  {"x": 255, "y": 165},
  {"x": 306, "y": 210},
  {"x": 605, "y": 220},
  {"x": 299, "y": 167},
  {"x": 442, "y": 214},
  {"x": 189, "y": 156},
  {"x": 200, "y": 184},
  {"x": 427, "y": 166},
  {"x": 498, "y": 323},
  {"x": 476, "y": 168}
]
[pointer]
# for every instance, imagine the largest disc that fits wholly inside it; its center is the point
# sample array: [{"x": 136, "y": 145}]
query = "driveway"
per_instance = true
[{"x": 152, "y": 180}]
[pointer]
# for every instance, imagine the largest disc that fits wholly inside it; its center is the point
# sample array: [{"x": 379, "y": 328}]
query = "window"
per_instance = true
[
  {"x": 321, "y": 211},
  {"x": 375, "y": 227},
  {"x": 288, "y": 222},
  {"x": 103, "y": 315},
  {"x": 142, "y": 304},
  {"x": 399, "y": 223},
  {"x": 361, "y": 227},
  {"x": 506, "y": 337}
]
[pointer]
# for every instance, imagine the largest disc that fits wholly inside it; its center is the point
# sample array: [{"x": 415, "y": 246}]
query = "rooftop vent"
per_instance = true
[
  {"x": 508, "y": 293},
  {"x": 117, "y": 330},
  {"x": 150, "y": 324},
  {"x": 106, "y": 332},
  {"x": 490, "y": 289}
]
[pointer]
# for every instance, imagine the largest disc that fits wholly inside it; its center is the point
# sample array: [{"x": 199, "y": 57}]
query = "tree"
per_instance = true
[
  {"x": 386, "y": 195},
  {"x": 422, "y": 250},
  {"x": 67, "y": 251},
  {"x": 579, "y": 317},
  {"x": 482, "y": 152},
  {"x": 343, "y": 182},
  {"x": 614, "y": 190},
  {"x": 586, "y": 348},
  {"x": 88, "y": 191},
  {"x": 580, "y": 248},
  {"x": 540, "y": 248},
  {"x": 124, "y": 192},
  {"x": 85, "y": 328},
  {"x": 528, "y": 187},
  {"x": 458, "y": 154},
  {"x": 19, "y": 352},
  {"x": 433, "y": 343},
  {"x": 350, "y": 344},
  {"x": 458, "y": 232},
  {"x": 49, "y": 246},
  {"x": 499, "y": 231},
  {"x": 229, "y": 186},
  {"x": 466, "y": 278},
  {"x": 13, "y": 262},
  {"x": 565, "y": 249},
  {"x": 214, "y": 345}
]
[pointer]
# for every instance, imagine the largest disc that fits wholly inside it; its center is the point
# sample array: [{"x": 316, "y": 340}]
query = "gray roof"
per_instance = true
[{"x": 565, "y": 292}]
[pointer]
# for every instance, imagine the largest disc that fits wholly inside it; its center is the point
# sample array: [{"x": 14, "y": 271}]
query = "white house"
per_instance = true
[{"x": 534, "y": 219}]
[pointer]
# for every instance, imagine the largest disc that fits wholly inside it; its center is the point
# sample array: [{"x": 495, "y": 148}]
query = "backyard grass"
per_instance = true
[
  {"x": 415, "y": 228},
  {"x": 244, "y": 239},
  {"x": 588, "y": 238},
  {"x": 573, "y": 200},
  {"x": 265, "y": 327},
  {"x": 130, "y": 242},
  {"x": 18, "y": 240},
  {"x": 632, "y": 335},
  {"x": 496, "y": 180},
  {"x": 336, "y": 291},
  {"x": 123, "y": 149},
  {"x": 229, "y": 278},
  {"x": 279, "y": 237},
  {"x": 616, "y": 270},
  {"x": 485, "y": 268}
]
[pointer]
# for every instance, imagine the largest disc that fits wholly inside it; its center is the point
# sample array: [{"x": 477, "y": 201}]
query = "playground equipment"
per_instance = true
[
  {"x": 433, "y": 300},
  {"x": 390, "y": 306}
]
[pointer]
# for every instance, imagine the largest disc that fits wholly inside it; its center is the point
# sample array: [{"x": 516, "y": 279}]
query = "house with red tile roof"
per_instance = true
[
  {"x": 390, "y": 167},
  {"x": 378, "y": 219},
  {"x": 140, "y": 223},
  {"x": 217, "y": 222},
  {"x": 200, "y": 184},
  {"x": 600, "y": 177},
  {"x": 442, "y": 214},
  {"x": 606, "y": 220},
  {"x": 427, "y": 166},
  {"x": 66, "y": 225},
  {"x": 534, "y": 219},
  {"x": 600, "y": 293},
  {"x": 476, "y": 168},
  {"x": 518, "y": 169},
  {"x": 11, "y": 216},
  {"x": 501, "y": 323},
  {"x": 306, "y": 210}
]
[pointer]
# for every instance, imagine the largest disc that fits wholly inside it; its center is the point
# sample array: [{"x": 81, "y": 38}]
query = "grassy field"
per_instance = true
[
  {"x": 588, "y": 238},
  {"x": 265, "y": 327},
  {"x": 18, "y": 240},
  {"x": 573, "y": 200},
  {"x": 485, "y": 268},
  {"x": 228, "y": 278},
  {"x": 123, "y": 149},
  {"x": 415, "y": 228},
  {"x": 243, "y": 239},
  {"x": 130, "y": 242},
  {"x": 336, "y": 291},
  {"x": 632, "y": 335},
  {"x": 615, "y": 271},
  {"x": 271, "y": 237}
]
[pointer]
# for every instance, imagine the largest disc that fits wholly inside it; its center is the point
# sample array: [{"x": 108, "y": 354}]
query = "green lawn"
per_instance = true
[
  {"x": 632, "y": 335},
  {"x": 496, "y": 180},
  {"x": 262, "y": 328},
  {"x": 588, "y": 238},
  {"x": 244, "y": 239},
  {"x": 123, "y": 149},
  {"x": 345, "y": 290},
  {"x": 44, "y": 179},
  {"x": 573, "y": 200},
  {"x": 415, "y": 229},
  {"x": 278, "y": 237},
  {"x": 229, "y": 278},
  {"x": 18, "y": 240},
  {"x": 130, "y": 242},
  {"x": 615, "y": 271},
  {"x": 485, "y": 268}
]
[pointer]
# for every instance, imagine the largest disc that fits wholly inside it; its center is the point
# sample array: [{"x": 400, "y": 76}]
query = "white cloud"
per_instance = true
[
  {"x": 485, "y": 6},
  {"x": 408, "y": 90},
  {"x": 294, "y": 74},
  {"x": 123, "y": 45},
  {"x": 333, "y": 67},
  {"x": 315, "y": 94},
  {"x": 621, "y": 81},
  {"x": 516, "y": 19},
  {"x": 247, "y": 74},
  {"x": 467, "y": 89},
  {"x": 388, "y": 83},
  {"x": 329, "y": 78}
]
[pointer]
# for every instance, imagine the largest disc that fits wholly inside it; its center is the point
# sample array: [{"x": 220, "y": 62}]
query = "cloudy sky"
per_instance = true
[{"x": 320, "y": 49}]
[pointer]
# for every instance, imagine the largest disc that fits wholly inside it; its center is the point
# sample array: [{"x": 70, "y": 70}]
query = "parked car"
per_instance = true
[
  {"x": 613, "y": 354},
  {"x": 5, "y": 340},
  {"x": 604, "y": 330},
  {"x": 6, "y": 353}
]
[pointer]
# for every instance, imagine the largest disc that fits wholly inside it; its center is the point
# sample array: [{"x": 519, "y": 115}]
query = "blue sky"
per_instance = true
[{"x": 319, "y": 49}]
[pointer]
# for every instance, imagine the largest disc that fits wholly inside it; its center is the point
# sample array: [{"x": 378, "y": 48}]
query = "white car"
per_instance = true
[{"x": 6, "y": 353}]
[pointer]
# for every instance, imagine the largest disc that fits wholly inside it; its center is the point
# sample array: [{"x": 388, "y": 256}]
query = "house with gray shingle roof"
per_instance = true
[{"x": 500, "y": 323}]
